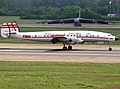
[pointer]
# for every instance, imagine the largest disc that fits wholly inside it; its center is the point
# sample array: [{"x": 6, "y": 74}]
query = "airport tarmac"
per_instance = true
[
  {"x": 51, "y": 52},
  {"x": 116, "y": 26}
]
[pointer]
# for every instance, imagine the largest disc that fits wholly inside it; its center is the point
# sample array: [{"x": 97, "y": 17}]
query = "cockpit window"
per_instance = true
[{"x": 109, "y": 35}]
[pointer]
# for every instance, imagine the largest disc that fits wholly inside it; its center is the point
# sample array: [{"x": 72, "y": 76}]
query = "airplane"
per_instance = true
[
  {"x": 77, "y": 21},
  {"x": 66, "y": 37}
]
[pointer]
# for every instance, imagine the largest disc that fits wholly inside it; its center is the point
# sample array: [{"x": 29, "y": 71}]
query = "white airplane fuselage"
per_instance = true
[{"x": 47, "y": 36}]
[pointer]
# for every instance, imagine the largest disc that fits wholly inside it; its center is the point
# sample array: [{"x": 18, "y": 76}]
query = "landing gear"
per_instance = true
[
  {"x": 65, "y": 48},
  {"x": 69, "y": 47},
  {"x": 110, "y": 49}
]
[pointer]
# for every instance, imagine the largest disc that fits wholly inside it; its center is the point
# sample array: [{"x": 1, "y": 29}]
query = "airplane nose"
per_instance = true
[{"x": 116, "y": 39}]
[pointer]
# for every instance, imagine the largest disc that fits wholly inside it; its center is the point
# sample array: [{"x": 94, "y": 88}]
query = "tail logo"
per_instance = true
[{"x": 7, "y": 29}]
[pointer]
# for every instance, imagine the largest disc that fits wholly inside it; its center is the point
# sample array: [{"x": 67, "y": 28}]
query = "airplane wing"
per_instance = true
[
  {"x": 75, "y": 20},
  {"x": 67, "y": 40},
  {"x": 58, "y": 39}
]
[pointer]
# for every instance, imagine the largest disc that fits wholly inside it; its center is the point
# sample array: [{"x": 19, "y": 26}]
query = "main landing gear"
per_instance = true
[
  {"x": 110, "y": 49},
  {"x": 69, "y": 47}
]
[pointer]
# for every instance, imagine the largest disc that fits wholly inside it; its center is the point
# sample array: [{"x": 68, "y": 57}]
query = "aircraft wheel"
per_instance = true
[
  {"x": 64, "y": 48},
  {"x": 110, "y": 49},
  {"x": 69, "y": 47}
]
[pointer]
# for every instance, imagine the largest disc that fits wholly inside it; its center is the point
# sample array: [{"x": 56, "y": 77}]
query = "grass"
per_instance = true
[
  {"x": 53, "y": 75},
  {"x": 8, "y": 19}
]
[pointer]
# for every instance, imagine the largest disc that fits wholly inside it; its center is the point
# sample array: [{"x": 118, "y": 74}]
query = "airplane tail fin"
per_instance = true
[{"x": 7, "y": 29}]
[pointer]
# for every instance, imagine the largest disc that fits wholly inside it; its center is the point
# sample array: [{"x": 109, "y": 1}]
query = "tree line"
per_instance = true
[{"x": 56, "y": 9}]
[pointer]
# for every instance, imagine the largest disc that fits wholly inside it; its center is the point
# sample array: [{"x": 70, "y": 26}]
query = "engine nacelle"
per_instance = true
[{"x": 74, "y": 40}]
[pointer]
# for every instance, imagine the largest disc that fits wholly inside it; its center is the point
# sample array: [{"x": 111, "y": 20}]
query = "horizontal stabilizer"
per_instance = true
[{"x": 9, "y": 28}]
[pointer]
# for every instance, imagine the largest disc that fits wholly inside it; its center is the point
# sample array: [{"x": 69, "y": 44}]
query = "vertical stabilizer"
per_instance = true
[{"x": 7, "y": 29}]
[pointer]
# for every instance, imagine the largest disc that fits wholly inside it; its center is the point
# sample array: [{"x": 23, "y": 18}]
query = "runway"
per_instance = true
[
  {"x": 54, "y": 53},
  {"x": 59, "y": 52}
]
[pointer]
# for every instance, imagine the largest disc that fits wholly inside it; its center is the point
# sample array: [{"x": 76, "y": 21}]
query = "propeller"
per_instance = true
[{"x": 116, "y": 39}]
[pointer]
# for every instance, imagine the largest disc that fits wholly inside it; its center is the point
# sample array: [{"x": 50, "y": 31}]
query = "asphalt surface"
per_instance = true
[{"x": 95, "y": 52}]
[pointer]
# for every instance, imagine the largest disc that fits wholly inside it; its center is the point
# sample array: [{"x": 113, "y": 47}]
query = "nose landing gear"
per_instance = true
[{"x": 110, "y": 49}]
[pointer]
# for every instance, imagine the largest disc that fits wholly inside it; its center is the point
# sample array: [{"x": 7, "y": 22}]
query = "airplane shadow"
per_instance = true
[
  {"x": 22, "y": 49},
  {"x": 77, "y": 50},
  {"x": 51, "y": 50}
]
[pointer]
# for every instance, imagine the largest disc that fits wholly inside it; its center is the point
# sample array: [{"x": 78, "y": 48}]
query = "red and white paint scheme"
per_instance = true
[{"x": 66, "y": 37}]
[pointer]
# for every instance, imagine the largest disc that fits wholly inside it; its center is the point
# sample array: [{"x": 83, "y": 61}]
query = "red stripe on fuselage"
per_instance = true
[
  {"x": 9, "y": 26},
  {"x": 49, "y": 36},
  {"x": 77, "y": 37},
  {"x": 57, "y": 35}
]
